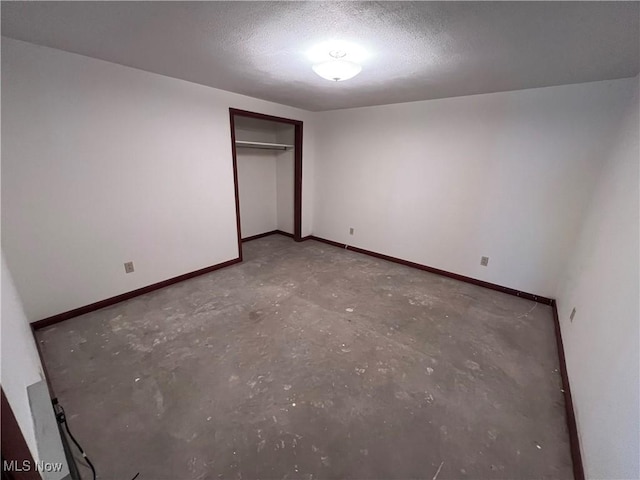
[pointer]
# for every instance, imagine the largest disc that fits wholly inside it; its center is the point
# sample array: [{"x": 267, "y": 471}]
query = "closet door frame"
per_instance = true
[{"x": 297, "y": 169}]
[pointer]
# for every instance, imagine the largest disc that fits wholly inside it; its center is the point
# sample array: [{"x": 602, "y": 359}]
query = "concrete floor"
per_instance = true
[{"x": 308, "y": 361}]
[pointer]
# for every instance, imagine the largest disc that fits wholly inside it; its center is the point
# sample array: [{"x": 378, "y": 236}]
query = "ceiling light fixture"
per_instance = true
[{"x": 337, "y": 69}]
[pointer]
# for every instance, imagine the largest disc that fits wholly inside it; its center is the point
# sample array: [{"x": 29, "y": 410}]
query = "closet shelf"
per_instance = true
[{"x": 268, "y": 146}]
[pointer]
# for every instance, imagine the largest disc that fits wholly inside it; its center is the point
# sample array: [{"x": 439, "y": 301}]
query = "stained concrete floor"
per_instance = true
[{"x": 309, "y": 361}]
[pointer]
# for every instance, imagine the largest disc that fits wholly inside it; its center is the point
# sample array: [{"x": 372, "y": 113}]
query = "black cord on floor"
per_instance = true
[{"x": 62, "y": 418}]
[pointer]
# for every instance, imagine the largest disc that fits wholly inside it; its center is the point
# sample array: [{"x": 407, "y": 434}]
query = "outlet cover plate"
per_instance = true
[
  {"x": 128, "y": 267},
  {"x": 484, "y": 261}
]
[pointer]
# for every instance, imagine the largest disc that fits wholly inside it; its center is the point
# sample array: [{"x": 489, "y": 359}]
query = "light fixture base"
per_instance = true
[
  {"x": 337, "y": 54},
  {"x": 337, "y": 70}
]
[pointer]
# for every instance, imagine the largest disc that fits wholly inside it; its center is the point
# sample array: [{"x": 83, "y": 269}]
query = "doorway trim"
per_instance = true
[
  {"x": 297, "y": 169},
  {"x": 14, "y": 446}
]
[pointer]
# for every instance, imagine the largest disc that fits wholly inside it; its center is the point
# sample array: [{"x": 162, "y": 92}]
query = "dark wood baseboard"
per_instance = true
[
  {"x": 266, "y": 234},
  {"x": 474, "y": 281},
  {"x": 260, "y": 235},
  {"x": 576, "y": 457},
  {"x": 578, "y": 469},
  {"x": 574, "y": 441},
  {"x": 45, "y": 322}
]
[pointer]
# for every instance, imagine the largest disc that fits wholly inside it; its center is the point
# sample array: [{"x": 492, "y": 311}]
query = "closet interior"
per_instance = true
[{"x": 265, "y": 156}]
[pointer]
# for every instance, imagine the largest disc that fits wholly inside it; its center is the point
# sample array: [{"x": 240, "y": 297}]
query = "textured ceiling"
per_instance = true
[{"x": 420, "y": 50}]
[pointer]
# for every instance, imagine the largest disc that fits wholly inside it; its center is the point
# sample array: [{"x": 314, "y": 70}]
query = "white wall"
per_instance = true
[
  {"x": 21, "y": 365},
  {"x": 285, "y": 133},
  {"x": 444, "y": 182},
  {"x": 602, "y": 343},
  {"x": 255, "y": 130},
  {"x": 104, "y": 164},
  {"x": 285, "y": 180},
  {"x": 266, "y": 190},
  {"x": 285, "y": 177},
  {"x": 257, "y": 190}
]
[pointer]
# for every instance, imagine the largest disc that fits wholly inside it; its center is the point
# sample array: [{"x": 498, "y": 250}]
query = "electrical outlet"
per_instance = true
[
  {"x": 128, "y": 267},
  {"x": 573, "y": 314},
  {"x": 351, "y": 231},
  {"x": 484, "y": 261}
]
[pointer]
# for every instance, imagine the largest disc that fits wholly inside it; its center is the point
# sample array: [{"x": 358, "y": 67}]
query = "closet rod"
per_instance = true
[{"x": 268, "y": 146}]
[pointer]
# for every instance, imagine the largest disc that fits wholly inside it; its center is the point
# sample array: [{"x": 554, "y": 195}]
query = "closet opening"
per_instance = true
[{"x": 267, "y": 173}]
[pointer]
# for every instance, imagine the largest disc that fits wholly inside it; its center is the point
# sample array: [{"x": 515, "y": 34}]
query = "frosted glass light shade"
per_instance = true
[{"x": 337, "y": 70}]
